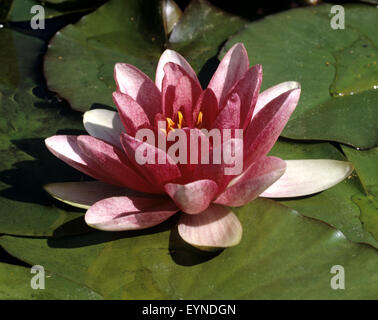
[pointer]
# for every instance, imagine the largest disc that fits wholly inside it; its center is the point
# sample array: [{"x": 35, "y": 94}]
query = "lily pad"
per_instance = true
[
  {"x": 282, "y": 255},
  {"x": 334, "y": 206},
  {"x": 25, "y": 163},
  {"x": 199, "y": 33},
  {"x": 16, "y": 284},
  {"x": 366, "y": 167},
  {"x": 19, "y": 72},
  {"x": 337, "y": 68},
  {"x": 5, "y": 5},
  {"x": 20, "y": 9},
  {"x": 62, "y": 1},
  {"x": 80, "y": 60}
]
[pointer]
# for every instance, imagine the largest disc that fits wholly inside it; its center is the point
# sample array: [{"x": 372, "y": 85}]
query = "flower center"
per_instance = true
[{"x": 171, "y": 125}]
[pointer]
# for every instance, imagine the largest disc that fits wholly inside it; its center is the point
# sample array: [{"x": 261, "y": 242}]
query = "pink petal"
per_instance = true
[
  {"x": 159, "y": 117},
  {"x": 186, "y": 96},
  {"x": 129, "y": 213},
  {"x": 269, "y": 94},
  {"x": 131, "y": 113},
  {"x": 178, "y": 59},
  {"x": 229, "y": 116},
  {"x": 192, "y": 197},
  {"x": 265, "y": 128},
  {"x": 230, "y": 70},
  {"x": 155, "y": 172},
  {"x": 139, "y": 87},
  {"x": 196, "y": 144},
  {"x": 217, "y": 226},
  {"x": 222, "y": 173},
  {"x": 248, "y": 88},
  {"x": 173, "y": 74},
  {"x": 66, "y": 149},
  {"x": 84, "y": 194},
  {"x": 304, "y": 177},
  {"x": 114, "y": 164},
  {"x": 246, "y": 187},
  {"x": 207, "y": 103}
]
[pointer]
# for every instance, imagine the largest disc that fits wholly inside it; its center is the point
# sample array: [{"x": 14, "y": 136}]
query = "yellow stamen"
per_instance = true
[
  {"x": 181, "y": 119},
  {"x": 199, "y": 119},
  {"x": 170, "y": 124}
]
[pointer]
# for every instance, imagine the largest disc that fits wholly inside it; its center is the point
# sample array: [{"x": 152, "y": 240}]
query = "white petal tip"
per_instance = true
[
  {"x": 103, "y": 124},
  {"x": 305, "y": 177},
  {"x": 291, "y": 85},
  {"x": 99, "y": 116}
]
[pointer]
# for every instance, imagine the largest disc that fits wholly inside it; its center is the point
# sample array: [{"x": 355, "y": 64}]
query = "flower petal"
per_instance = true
[
  {"x": 66, "y": 149},
  {"x": 229, "y": 116},
  {"x": 304, "y": 177},
  {"x": 186, "y": 96},
  {"x": 83, "y": 194},
  {"x": 131, "y": 113},
  {"x": 269, "y": 94},
  {"x": 217, "y": 226},
  {"x": 171, "y": 56},
  {"x": 192, "y": 197},
  {"x": 155, "y": 172},
  {"x": 248, "y": 88},
  {"x": 232, "y": 68},
  {"x": 104, "y": 124},
  {"x": 254, "y": 180},
  {"x": 207, "y": 103},
  {"x": 139, "y": 87},
  {"x": 197, "y": 147},
  {"x": 114, "y": 163},
  {"x": 173, "y": 73},
  {"x": 228, "y": 166},
  {"x": 265, "y": 128},
  {"x": 129, "y": 213}
]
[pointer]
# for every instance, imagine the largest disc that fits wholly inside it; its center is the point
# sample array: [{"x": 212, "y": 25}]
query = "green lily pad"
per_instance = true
[
  {"x": 19, "y": 72},
  {"x": 282, "y": 255},
  {"x": 334, "y": 206},
  {"x": 4, "y": 8},
  {"x": 366, "y": 167},
  {"x": 20, "y": 9},
  {"x": 338, "y": 70},
  {"x": 62, "y": 1},
  {"x": 370, "y": 1},
  {"x": 199, "y": 33},
  {"x": 16, "y": 284},
  {"x": 80, "y": 60},
  {"x": 365, "y": 163},
  {"x": 25, "y": 163}
]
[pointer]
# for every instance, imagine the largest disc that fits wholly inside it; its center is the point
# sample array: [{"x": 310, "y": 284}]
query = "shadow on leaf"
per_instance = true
[
  {"x": 99, "y": 237},
  {"x": 184, "y": 254},
  {"x": 26, "y": 178},
  {"x": 180, "y": 252}
]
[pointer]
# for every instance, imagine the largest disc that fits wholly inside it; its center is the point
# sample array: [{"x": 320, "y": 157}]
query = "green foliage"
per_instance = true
[
  {"x": 337, "y": 69},
  {"x": 282, "y": 255},
  {"x": 285, "y": 253},
  {"x": 132, "y": 32}
]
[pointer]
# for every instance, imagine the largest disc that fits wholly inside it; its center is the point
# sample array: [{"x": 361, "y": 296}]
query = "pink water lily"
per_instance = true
[{"x": 128, "y": 195}]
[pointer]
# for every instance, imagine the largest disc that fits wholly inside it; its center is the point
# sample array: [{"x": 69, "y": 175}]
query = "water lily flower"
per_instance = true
[{"x": 127, "y": 195}]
